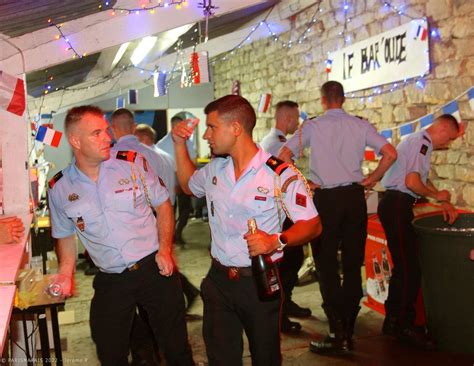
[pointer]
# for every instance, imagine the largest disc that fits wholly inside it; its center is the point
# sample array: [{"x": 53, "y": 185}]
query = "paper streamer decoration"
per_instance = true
[
  {"x": 426, "y": 121},
  {"x": 235, "y": 87},
  {"x": 12, "y": 94},
  {"x": 453, "y": 109},
  {"x": 200, "y": 67},
  {"x": 159, "y": 83},
  {"x": 470, "y": 96},
  {"x": 406, "y": 130},
  {"x": 49, "y": 136},
  {"x": 264, "y": 103},
  {"x": 388, "y": 134}
]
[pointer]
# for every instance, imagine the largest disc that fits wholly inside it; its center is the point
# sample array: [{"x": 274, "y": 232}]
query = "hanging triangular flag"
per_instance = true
[
  {"x": 406, "y": 129},
  {"x": 159, "y": 83},
  {"x": 426, "y": 121},
  {"x": 388, "y": 134},
  {"x": 452, "y": 108},
  {"x": 470, "y": 96},
  {"x": 369, "y": 154},
  {"x": 303, "y": 115},
  {"x": 12, "y": 94},
  {"x": 264, "y": 103},
  {"x": 49, "y": 136}
]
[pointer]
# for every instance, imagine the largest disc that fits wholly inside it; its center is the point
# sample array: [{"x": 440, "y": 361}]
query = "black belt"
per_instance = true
[
  {"x": 346, "y": 186},
  {"x": 232, "y": 272},
  {"x": 141, "y": 262}
]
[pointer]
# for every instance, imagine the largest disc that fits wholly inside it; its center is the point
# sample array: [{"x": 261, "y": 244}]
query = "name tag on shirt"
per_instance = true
[{"x": 260, "y": 198}]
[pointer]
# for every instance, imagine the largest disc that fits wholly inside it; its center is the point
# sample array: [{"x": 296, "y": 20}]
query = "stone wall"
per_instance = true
[{"x": 297, "y": 73}]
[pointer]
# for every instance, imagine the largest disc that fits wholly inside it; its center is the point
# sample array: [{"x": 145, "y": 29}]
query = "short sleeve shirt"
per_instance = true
[
  {"x": 232, "y": 203},
  {"x": 414, "y": 156},
  {"x": 111, "y": 216},
  {"x": 337, "y": 141},
  {"x": 273, "y": 141}
]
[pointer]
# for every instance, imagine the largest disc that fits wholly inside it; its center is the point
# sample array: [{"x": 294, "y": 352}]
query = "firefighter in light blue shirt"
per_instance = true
[
  {"x": 248, "y": 183},
  {"x": 107, "y": 201},
  {"x": 338, "y": 142},
  {"x": 406, "y": 181}
]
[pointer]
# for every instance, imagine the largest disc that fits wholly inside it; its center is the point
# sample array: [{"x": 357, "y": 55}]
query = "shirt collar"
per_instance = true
[
  {"x": 255, "y": 163},
  {"x": 277, "y": 132},
  {"x": 335, "y": 111},
  {"x": 127, "y": 138}
]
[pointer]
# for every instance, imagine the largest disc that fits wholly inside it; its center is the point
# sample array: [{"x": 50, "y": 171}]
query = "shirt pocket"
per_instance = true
[
  {"x": 88, "y": 219},
  {"x": 127, "y": 201}
]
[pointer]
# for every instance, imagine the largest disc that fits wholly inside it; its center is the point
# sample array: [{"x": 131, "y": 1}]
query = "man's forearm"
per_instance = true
[
  {"x": 165, "y": 225},
  {"x": 184, "y": 166},
  {"x": 66, "y": 251},
  {"x": 303, "y": 231}
]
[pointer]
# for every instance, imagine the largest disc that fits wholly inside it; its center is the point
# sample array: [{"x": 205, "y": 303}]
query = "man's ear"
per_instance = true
[
  {"x": 237, "y": 127},
  {"x": 74, "y": 141}
]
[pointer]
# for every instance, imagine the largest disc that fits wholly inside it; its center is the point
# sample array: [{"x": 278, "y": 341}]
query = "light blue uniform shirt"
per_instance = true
[
  {"x": 166, "y": 144},
  {"x": 337, "y": 142},
  {"x": 273, "y": 141},
  {"x": 160, "y": 162},
  {"x": 414, "y": 156},
  {"x": 115, "y": 233},
  {"x": 230, "y": 204}
]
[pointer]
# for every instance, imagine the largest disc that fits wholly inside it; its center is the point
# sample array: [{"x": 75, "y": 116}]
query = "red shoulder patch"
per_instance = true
[{"x": 300, "y": 199}]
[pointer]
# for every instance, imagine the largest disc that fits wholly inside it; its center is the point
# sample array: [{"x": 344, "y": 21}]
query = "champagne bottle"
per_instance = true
[{"x": 264, "y": 272}]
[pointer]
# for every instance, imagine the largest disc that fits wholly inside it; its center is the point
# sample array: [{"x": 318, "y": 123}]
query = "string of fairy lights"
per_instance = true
[{"x": 180, "y": 64}]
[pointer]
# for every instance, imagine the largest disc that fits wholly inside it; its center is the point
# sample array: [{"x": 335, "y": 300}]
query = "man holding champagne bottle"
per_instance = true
[{"x": 242, "y": 183}]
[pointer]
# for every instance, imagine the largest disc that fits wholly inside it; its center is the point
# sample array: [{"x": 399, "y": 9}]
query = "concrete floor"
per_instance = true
[{"x": 371, "y": 347}]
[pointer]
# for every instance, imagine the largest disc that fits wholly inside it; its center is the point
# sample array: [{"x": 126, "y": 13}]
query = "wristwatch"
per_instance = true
[{"x": 282, "y": 241}]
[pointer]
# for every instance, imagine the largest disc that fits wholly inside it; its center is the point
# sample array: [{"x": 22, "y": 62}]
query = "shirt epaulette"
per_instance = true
[
  {"x": 427, "y": 139},
  {"x": 53, "y": 180},
  {"x": 277, "y": 165},
  {"x": 128, "y": 155}
]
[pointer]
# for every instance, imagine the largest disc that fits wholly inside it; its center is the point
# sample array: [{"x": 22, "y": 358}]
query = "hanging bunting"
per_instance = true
[
  {"x": 303, "y": 115},
  {"x": 426, "y": 121},
  {"x": 49, "y": 136},
  {"x": 12, "y": 94},
  {"x": 470, "y": 96},
  {"x": 453, "y": 109},
  {"x": 388, "y": 134},
  {"x": 406, "y": 129},
  {"x": 264, "y": 103},
  {"x": 199, "y": 67}
]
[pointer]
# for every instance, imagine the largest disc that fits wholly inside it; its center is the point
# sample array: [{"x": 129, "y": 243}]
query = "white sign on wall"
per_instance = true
[{"x": 398, "y": 54}]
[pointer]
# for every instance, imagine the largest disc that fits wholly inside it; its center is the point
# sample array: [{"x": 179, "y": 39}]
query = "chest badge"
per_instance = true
[
  {"x": 214, "y": 180},
  {"x": 81, "y": 224},
  {"x": 73, "y": 197},
  {"x": 263, "y": 190},
  {"x": 123, "y": 181}
]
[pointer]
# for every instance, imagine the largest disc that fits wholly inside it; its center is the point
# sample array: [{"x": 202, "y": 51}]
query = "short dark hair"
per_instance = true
[
  {"x": 74, "y": 115},
  {"x": 146, "y": 130},
  {"x": 234, "y": 108},
  {"x": 286, "y": 104},
  {"x": 122, "y": 112},
  {"x": 452, "y": 121},
  {"x": 177, "y": 118},
  {"x": 333, "y": 91}
]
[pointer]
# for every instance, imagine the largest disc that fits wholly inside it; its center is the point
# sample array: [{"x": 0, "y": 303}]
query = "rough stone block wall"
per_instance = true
[{"x": 298, "y": 72}]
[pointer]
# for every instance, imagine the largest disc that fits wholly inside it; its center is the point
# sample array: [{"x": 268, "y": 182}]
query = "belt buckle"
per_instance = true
[
  {"x": 133, "y": 267},
  {"x": 233, "y": 274}
]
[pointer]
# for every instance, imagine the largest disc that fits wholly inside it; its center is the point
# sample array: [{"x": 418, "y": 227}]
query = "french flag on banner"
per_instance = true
[
  {"x": 48, "y": 136},
  {"x": 470, "y": 96},
  {"x": 422, "y": 32},
  {"x": 264, "y": 103},
  {"x": 369, "y": 154},
  {"x": 452, "y": 109},
  {"x": 426, "y": 121},
  {"x": 406, "y": 129},
  {"x": 12, "y": 94},
  {"x": 388, "y": 134}
]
